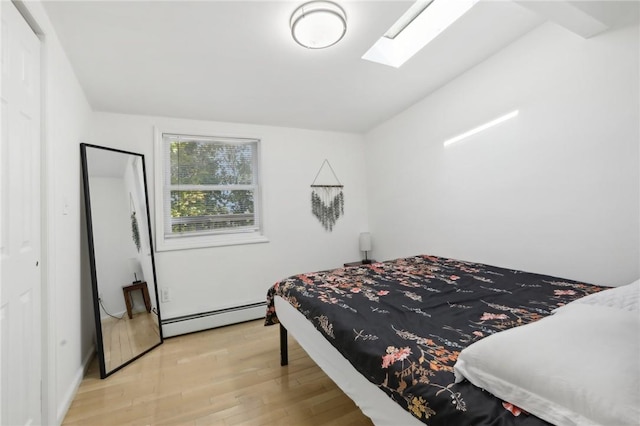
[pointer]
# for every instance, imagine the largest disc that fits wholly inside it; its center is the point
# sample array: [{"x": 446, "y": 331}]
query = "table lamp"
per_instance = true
[{"x": 365, "y": 246}]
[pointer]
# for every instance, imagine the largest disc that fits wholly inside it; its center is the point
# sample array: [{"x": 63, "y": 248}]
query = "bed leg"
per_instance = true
[{"x": 284, "y": 349}]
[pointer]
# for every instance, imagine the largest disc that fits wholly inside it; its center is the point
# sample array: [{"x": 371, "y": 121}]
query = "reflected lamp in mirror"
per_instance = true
[
  {"x": 123, "y": 275},
  {"x": 365, "y": 246},
  {"x": 136, "y": 269}
]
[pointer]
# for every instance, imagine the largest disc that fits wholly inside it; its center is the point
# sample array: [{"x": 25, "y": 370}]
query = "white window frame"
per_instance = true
[{"x": 162, "y": 193}]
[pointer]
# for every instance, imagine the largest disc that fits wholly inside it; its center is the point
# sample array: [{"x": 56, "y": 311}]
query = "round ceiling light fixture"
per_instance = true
[{"x": 318, "y": 24}]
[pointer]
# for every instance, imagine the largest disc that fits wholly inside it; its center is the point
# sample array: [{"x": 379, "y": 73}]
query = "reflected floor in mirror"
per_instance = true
[
  {"x": 125, "y": 338},
  {"x": 226, "y": 376}
]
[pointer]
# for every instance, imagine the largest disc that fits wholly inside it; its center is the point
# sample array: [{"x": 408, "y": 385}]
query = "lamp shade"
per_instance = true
[
  {"x": 365, "y": 241},
  {"x": 136, "y": 268},
  {"x": 318, "y": 24}
]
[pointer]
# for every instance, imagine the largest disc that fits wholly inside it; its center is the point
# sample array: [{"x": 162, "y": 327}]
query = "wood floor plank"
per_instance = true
[{"x": 226, "y": 376}]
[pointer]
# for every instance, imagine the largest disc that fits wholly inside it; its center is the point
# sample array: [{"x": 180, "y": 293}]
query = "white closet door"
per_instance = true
[{"x": 20, "y": 237}]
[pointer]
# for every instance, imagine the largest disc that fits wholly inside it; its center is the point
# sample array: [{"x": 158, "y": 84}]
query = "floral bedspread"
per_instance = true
[{"x": 402, "y": 324}]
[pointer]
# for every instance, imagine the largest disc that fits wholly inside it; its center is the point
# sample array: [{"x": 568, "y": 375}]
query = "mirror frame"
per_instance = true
[{"x": 92, "y": 259}]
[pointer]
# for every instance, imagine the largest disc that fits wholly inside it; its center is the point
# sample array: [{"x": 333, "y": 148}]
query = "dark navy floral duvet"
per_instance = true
[{"x": 402, "y": 323}]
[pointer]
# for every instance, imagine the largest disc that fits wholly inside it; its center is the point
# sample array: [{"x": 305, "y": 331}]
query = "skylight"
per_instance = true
[{"x": 422, "y": 23}]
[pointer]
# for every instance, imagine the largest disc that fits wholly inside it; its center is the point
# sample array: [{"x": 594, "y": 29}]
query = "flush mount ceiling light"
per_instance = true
[{"x": 318, "y": 24}]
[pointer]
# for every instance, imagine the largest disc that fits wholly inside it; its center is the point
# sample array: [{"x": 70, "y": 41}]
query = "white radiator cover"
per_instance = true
[{"x": 206, "y": 320}]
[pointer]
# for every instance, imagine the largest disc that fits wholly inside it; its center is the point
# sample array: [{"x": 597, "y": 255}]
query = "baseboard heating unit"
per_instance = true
[{"x": 205, "y": 320}]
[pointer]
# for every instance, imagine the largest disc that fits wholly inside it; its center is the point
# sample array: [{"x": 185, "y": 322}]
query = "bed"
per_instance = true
[{"x": 389, "y": 334}]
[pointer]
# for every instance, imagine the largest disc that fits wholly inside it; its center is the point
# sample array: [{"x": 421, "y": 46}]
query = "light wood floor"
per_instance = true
[
  {"x": 226, "y": 376},
  {"x": 125, "y": 338}
]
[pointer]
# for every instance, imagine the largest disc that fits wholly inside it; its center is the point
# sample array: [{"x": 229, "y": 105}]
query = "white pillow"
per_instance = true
[
  {"x": 626, "y": 297},
  {"x": 577, "y": 367}
]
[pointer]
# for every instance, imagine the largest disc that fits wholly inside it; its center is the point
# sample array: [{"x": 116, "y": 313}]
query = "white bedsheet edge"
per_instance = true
[{"x": 372, "y": 401}]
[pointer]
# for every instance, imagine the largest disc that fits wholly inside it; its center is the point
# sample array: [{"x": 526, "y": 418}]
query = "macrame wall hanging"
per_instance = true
[
  {"x": 327, "y": 199},
  {"x": 135, "y": 232}
]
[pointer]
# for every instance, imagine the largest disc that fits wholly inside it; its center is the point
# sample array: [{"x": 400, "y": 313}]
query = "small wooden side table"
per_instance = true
[{"x": 126, "y": 291}]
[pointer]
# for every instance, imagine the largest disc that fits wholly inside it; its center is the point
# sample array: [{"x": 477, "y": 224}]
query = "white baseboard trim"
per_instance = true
[
  {"x": 207, "y": 320},
  {"x": 66, "y": 401}
]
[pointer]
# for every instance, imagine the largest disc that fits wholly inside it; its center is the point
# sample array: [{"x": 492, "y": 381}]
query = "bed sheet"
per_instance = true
[
  {"x": 374, "y": 403},
  {"x": 402, "y": 323}
]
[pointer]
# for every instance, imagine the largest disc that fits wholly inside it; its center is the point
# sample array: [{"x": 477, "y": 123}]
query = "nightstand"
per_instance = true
[
  {"x": 360, "y": 263},
  {"x": 142, "y": 286}
]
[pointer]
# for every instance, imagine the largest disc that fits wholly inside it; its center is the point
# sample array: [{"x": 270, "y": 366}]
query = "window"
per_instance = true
[{"x": 209, "y": 191}]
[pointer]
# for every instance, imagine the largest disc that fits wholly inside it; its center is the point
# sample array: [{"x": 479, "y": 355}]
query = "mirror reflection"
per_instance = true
[{"x": 122, "y": 264}]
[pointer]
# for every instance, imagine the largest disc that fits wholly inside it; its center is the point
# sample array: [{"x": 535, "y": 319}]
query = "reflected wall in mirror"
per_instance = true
[{"x": 125, "y": 292}]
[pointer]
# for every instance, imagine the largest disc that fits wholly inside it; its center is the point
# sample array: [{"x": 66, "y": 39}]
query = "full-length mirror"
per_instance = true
[{"x": 123, "y": 272}]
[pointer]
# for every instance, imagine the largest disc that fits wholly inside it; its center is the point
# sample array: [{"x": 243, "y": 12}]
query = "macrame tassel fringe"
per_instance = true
[{"x": 327, "y": 205}]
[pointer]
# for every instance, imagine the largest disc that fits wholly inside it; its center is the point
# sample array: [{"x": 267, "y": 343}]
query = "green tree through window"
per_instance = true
[{"x": 211, "y": 185}]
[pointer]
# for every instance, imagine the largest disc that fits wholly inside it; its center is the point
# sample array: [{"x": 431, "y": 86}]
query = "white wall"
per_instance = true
[
  {"x": 112, "y": 243},
  {"x": 554, "y": 191},
  {"x": 69, "y": 286},
  {"x": 67, "y": 324},
  {"x": 134, "y": 185},
  {"x": 203, "y": 280}
]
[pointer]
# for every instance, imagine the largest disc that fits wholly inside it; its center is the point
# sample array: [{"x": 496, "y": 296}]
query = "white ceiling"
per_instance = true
[{"x": 236, "y": 61}]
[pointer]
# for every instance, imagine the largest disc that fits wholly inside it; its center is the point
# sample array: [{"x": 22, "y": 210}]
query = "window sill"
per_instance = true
[{"x": 186, "y": 243}]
